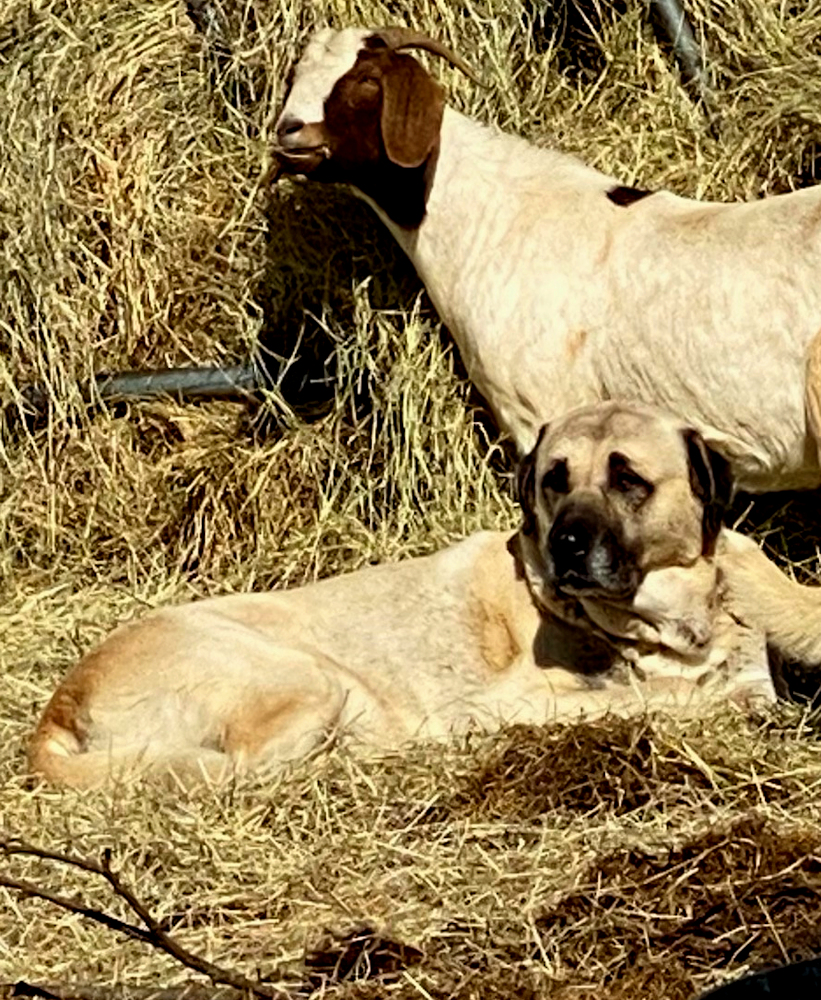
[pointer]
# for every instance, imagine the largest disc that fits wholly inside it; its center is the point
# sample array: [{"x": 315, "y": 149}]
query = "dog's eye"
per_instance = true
[
  {"x": 556, "y": 478},
  {"x": 625, "y": 480}
]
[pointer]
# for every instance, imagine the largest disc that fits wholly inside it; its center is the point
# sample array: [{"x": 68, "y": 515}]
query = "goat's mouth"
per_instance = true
[{"x": 301, "y": 159}]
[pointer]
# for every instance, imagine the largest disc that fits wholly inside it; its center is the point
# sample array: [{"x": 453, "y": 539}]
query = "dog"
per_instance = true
[{"x": 620, "y": 592}]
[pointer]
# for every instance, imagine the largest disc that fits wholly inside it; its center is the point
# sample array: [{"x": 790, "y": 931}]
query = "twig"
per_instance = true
[
  {"x": 73, "y": 906},
  {"x": 154, "y": 935},
  {"x": 61, "y": 991}
]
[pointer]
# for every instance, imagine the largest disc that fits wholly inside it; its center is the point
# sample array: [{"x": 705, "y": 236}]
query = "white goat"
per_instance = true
[{"x": 560, "y": 286}]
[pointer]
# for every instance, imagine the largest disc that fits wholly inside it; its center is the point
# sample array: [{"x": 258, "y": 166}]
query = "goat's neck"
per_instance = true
[{"x": 485, "y": 185}]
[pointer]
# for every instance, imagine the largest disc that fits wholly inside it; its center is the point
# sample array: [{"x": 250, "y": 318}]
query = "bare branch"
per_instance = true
[
  {"x": 81, "y": 991},
  {"x": 14, "y": 845},
  {"x": 74, "y": 906},
  {"x": 153, "y": 935}
]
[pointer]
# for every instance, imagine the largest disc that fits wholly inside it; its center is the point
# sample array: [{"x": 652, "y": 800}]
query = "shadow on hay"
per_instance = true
[
  {"x": 461, "y": 964},
  {"x": 746, "y": 892},
  {"x": 787, "y": 522},
  {"x": 362, "y": 953},
  {"x": 614, "y": 765},
  {"x": 644, "y": 924},
  {"x": 574, "y": 28},
  {"x": 326, "y": 251}
]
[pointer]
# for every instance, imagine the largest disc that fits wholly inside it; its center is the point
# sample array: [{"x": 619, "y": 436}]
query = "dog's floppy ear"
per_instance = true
[
  {"x": 412, "y": 108},
  {"x": 711, "y": 482},
  {"x": 526, "y": 486},
  {"x": 526, "y": 491}
]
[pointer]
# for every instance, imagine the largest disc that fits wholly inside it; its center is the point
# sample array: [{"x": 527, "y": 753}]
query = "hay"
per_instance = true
[
  {"x": 136, "y": 228},
  {"x": 737, "y": 887}
]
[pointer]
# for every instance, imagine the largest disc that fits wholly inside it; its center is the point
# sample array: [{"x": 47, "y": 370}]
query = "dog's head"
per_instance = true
[{"x": 611, "y": 493}]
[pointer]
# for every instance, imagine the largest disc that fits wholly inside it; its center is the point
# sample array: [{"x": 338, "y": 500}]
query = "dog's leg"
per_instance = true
[
  {"x": 185, "y": 767},
  {"x": 674, "y": 607},
  {"x": 758, "y": 593},
  {"x": 293, "y": 715}
]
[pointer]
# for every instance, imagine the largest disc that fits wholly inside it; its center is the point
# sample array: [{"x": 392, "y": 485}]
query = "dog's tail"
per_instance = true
[
  {"x": 758, "y": 593},
  {"x": 57, "y": 748},
  {"x": 55, "y": 754},
  {"x": 53, "y": 758},
  {"x": 58, "y": 753}
]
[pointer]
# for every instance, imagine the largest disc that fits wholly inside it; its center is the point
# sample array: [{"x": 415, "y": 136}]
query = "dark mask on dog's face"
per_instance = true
[{"x": 610, "y": 493}]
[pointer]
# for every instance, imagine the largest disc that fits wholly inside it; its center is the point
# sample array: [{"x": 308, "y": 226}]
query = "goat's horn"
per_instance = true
[{"x": 406, "y": 38}]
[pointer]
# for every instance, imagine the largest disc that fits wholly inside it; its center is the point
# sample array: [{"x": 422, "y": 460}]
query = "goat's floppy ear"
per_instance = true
[
  {"x": 412, "y": 108},
  {"x": 712, "y": 483}
]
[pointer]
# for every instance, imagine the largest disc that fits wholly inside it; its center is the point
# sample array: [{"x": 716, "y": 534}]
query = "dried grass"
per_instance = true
[{"x": 136, "y": 228}]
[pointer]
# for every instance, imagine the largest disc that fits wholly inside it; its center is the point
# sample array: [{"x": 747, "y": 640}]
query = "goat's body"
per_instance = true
[{"x": 558, "y": 297}]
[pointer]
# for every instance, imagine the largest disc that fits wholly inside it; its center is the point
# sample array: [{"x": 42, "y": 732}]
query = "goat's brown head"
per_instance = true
[{"x": 362, "y": 111}]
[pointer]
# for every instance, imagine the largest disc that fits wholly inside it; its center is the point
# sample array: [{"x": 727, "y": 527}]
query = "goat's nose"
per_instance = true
[{"x": 289, "y": 125}]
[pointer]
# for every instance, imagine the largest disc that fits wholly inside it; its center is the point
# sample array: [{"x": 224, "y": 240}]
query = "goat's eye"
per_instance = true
[
  {"x": 362, "y": 92},
  {"x": 368, "y": 86},
  {"x": 624, "y": 479},
  {"x": 556, "y": 479}
]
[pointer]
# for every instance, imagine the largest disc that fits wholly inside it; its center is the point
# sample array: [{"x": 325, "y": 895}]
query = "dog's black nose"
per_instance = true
[
  {"x": 588, "y": 555},
  {"x": 570, "y": 542}
]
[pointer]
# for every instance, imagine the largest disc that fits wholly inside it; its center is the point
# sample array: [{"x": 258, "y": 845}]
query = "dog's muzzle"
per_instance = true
[{"x": 587, "y": 556}]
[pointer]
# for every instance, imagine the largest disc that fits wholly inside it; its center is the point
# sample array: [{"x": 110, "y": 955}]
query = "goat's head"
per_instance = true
[{"x": 360, "y": 108}]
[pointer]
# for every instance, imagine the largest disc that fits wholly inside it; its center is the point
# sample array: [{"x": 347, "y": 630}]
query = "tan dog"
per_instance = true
[{"x": 609, "y": 602}]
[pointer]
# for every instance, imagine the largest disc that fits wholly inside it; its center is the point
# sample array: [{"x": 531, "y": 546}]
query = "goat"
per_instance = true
[{"x": 560, "y": 286}]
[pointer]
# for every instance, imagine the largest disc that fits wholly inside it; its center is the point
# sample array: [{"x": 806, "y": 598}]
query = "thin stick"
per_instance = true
[
  {"x": 62, "y": 991},
  {"x": 154, "y": 935},
  {"x": 74, "y": 906}
]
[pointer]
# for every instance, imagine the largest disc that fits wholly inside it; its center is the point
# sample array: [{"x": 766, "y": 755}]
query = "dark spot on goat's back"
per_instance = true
[{"x": 624, "y": 197}]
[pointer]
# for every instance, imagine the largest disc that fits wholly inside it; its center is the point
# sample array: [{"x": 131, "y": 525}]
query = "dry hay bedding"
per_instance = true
[{"x": 138, "y": 230}]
